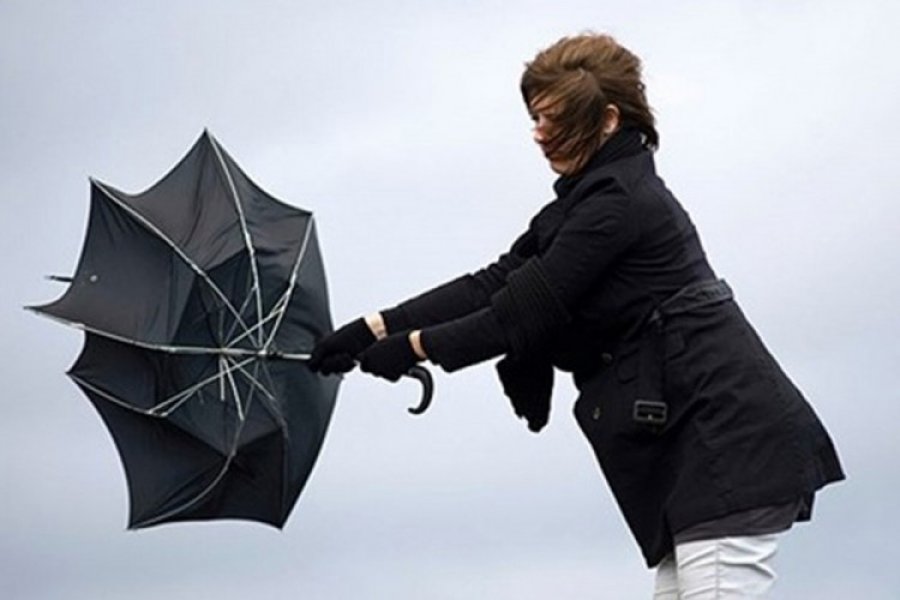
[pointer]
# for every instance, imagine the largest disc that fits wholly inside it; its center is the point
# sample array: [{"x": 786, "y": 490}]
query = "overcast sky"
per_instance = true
[{"x": 400, "y": 125}]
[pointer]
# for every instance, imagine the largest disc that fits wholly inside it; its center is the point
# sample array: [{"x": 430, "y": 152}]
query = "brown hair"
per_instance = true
[{"x": 580, "y": 76}]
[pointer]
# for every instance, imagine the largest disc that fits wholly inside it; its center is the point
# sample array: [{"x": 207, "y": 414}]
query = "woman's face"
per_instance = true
[{"x": 542, "y": 112}]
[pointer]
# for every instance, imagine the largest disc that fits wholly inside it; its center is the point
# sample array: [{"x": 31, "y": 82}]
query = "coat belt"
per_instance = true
[
  {"x": 691, "y": 297},
  {"x": 650, "y": 408}
]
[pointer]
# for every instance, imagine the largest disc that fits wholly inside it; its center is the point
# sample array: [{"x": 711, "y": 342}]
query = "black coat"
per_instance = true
[{"x": 688, "y": 413}]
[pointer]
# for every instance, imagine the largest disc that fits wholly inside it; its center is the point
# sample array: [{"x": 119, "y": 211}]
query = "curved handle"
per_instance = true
[{"x": 424, "y": 377}]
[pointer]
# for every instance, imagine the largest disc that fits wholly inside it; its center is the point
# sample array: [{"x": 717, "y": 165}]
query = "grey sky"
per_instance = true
[{"x": 400, "y": 125}]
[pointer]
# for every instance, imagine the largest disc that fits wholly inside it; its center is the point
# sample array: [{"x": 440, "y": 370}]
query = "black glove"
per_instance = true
[
  {"x": 529, "y": 385},
  {"x": 336, "y": 353},
  {"x": 390, "y": 358}
]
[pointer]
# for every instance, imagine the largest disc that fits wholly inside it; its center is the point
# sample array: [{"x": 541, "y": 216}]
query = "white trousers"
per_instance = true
[{"x": 719, "y": 569}]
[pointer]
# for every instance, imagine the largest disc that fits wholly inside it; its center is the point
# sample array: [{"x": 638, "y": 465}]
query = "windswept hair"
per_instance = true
[{"x": 579, "y": 76}]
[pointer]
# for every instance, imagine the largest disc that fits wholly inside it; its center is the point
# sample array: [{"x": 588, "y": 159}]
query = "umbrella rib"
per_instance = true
[
  {"x": 219, "y": 476},
  {"x": 247, "y": 330},
  {"x": 119, "y": 402},
  {"x": 283, "y": 302},
  {"x": 107, "y": 396},
  {"x": 157, "y": 411},
  {"x": 280, "y": 306},
  {"x": 175, "y": 402},
  {"x": 190, "y": 350},
  {"x": 202, "y": 494},
  {"x": 234, "y": 390},
  {"x": 222, "y": 364},
  {"x": 253, "y": 380},
  {"x": 161, "y": 235},
  {"x": 205, "y": 492},
  {"x": 258, "y": 325},
  {"x": 254, "y": 268},
  {"x": 269, "y": 399}
]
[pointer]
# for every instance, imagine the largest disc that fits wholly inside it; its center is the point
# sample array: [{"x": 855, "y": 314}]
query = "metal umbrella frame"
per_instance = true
[{"x": 199, "y": 369}]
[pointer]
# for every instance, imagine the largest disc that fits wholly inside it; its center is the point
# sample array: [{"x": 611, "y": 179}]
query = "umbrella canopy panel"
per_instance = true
[
  {"x": 201, "y": 298},
  {"x": 204, "y": 437},
  {"x": 205, "y": 219}
]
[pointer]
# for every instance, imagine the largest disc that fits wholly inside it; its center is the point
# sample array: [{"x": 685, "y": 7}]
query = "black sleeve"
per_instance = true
[
  {"x": 542, "y": 293},
  {"x": 461, "y": 296},
  {"x": 465, "y": 341},
  {"x": 521, "y": 316}
]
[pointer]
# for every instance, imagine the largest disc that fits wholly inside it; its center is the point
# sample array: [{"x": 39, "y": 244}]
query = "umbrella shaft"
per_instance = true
[
  {"x": 261, "y": 354},
  {"x": 238, "y": 352}
]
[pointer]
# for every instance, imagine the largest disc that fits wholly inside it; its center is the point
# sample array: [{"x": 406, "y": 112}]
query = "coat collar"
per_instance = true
[{"x": 626, "y": 142}]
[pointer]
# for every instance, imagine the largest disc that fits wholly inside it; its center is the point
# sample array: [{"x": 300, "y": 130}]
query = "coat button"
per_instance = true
[
  {"x": 596, "y": 414},
  {"x": 607, "y": 358}
]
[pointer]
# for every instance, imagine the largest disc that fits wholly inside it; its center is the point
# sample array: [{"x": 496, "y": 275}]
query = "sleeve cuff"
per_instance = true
[
  {"x": 396, "y": 320},
  {"x": 465, "y": 341}
]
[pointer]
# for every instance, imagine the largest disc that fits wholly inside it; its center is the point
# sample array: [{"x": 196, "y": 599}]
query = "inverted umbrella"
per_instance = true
[{"x": 201, "y": 299}]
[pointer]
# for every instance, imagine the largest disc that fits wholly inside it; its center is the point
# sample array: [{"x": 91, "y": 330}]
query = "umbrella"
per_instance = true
[{"x": 200, "y": 300}]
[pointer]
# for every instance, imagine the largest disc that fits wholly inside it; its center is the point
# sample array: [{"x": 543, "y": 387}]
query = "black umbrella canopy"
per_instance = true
[{"x": 201, "y": 299}]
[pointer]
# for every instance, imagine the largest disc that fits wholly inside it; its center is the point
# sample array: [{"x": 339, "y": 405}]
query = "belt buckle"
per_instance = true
[{"x": 650, "y": 412}]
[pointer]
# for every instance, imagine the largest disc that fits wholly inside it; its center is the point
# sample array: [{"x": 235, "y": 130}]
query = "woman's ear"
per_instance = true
[{"x": 611, "y": 119}]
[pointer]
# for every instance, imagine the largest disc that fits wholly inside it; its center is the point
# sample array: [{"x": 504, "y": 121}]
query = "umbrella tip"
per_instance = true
[
  {"x": 96, "y": 183},
  {"x": 209, "y": 137}
]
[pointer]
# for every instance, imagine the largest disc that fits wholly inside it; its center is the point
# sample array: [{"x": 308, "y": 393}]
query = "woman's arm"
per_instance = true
[
  {"x": 456, "y": 298},
  {"x": 337, "y": 353},
  {"x": 543, "y": 291}
]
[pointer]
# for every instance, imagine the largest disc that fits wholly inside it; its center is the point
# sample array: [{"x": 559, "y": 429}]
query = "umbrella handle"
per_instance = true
[{"x": 424, "y": 377}]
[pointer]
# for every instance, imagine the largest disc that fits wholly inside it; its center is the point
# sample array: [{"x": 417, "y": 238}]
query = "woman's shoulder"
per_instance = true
[{"x": 624, "y": 175}]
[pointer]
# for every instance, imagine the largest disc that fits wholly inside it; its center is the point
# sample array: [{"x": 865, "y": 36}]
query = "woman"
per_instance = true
[{"x": 708, "y": 447}]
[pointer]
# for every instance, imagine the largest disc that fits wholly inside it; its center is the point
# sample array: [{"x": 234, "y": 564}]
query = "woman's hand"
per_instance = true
[
  {"x": 337, "y": 353},
  {"x": 528, "y": 385},
  {"x": 393, "y": 356}
]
